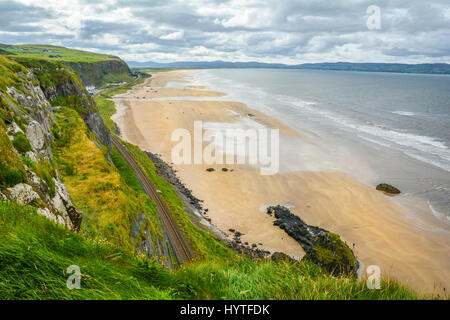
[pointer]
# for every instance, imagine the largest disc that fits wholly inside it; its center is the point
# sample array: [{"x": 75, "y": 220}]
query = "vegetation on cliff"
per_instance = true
[
  {"x": 95, "y": 69},
  {"x": 95, "y": 185},
  {"x": 12, "y": 170}
]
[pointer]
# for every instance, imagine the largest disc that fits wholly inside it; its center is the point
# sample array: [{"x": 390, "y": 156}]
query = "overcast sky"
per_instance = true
[{"x": 285, "y": 31}]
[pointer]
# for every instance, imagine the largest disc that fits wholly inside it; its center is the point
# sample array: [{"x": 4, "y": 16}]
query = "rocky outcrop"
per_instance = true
[
  {"x": 35, "y": 112},
  {"x": 388, "y": 189},
  {"x": 294, "y": 226},
  {"x": 65, "y": 208},
  {"x": 146, "y": 243},
  {"x": 322, "y": 247},
  {"x": 280, "y": 256},
  {"x": 251, "y": 253},
  {"x": 66, "y": 89},
  {"x": 23, "y": 193},
  {"x": 30, "y": 114},
  {"x": 100, "y": 73},
  {"x": 332, "y": 254}
]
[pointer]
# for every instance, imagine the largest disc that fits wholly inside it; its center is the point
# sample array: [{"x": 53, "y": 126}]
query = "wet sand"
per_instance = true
[{"x": 335, "y": 201}]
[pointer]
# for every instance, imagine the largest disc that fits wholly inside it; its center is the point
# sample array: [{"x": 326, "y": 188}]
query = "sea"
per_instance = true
[{"x": 378, "y": 127}]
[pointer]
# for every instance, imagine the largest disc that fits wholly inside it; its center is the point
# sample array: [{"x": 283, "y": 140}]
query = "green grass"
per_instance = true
[
  {"x": 107, "y": 107},
  {"x": 93, "y": 68},
  {"x": 106, "y": 110},
  {"x": 21, "y": 143},
  {"x": 35, "y": 254},
  {"x": 12, "y": 170},
  {"x": 8, "y": 73},
  {"x": 55, "y": 53},
  {"x": 108, "y": 197}
]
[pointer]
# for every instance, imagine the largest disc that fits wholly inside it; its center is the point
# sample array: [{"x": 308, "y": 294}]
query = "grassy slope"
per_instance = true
[
  {"x": 55, "y": 53},
  {"x": 35, "y": 253},
  {"x": 83, "y": 61},
  {"x": 8, "y": 70},
  {"x": 96, "y": 187},
  {"x": 12, "y": 170}
]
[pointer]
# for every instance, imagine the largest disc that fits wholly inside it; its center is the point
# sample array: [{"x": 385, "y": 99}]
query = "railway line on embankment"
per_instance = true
[{"x": 180, "y": 246}]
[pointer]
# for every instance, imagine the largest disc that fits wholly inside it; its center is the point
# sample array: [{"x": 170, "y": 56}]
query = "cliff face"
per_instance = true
[
  {"x": 64, "y": 88},
  {"x": 28, "y": 174},
  {"x": 28, "y": 96},
  {"x": 100, "y": 73}
]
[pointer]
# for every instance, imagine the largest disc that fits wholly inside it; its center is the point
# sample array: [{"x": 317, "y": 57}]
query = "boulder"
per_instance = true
[
  {"x": 65, "y": 207},
  {"x": 387, "y": 188},
  {"x": 331, "y": 253},
  {"x": 49, "y": 215},
  {"x": 36, "y": 136},
  {"x": 294, "y": 226},
  {"x": 322, "y": 247},
  {"x": 23, "y": 194},
  {"x": 13, "y": 128},
  {"x": 280, "y": 256}
]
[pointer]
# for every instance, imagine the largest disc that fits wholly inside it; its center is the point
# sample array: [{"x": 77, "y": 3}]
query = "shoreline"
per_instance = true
[{"x": 335, "y": 201}]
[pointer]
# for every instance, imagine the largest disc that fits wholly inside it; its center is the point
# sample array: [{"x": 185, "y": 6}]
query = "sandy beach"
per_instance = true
[{"x": 237, "y": 199}]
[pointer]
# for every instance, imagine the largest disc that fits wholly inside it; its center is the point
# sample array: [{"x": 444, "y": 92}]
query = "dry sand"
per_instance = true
[{"x": 334, "y": 201}]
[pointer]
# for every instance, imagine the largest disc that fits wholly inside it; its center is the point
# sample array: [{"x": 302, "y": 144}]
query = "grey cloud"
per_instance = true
[{"x": 267, "y": 30}]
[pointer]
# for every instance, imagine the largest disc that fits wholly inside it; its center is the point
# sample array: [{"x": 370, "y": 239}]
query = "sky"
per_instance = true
[{"x": 281, "y": 31}]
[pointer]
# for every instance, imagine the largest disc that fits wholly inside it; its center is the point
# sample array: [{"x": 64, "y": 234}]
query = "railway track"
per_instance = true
[{"x": 179, "y": 244}]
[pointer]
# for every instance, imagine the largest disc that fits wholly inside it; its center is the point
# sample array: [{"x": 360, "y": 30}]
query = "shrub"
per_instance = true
[
  {"x": 70, "y": 170},
  {"x": 21, "y": 143},
  {"x": 9, "y": 177},
  {"x": 12, "y": 170}
]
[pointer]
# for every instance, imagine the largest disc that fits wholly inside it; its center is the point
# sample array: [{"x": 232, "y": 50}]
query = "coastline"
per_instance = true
[{"x": 335, "y": 201}]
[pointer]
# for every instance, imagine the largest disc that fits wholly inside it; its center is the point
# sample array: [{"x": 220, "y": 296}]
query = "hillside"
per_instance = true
[
  {"x": 68, "y": 197},
  {"x": 432, "y": 68},
  {"x": 95, "y": 69}
]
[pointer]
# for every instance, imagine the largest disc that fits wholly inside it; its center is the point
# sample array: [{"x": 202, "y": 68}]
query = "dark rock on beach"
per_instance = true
[
  {"x": 387, "y": 188},
  {"x": 280, "y": 256},
  {"x": 294, "y": 226},
  {"x": 210, "y": 169},
  {"x": 331, "y": 253},
  {"x": 322, "y": 247},
  {"x": 254, "y": 254}
]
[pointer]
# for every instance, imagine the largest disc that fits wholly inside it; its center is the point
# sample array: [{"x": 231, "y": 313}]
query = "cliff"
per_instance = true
[
  {"x": 55, "y": 147},
  {"x": 94, "y": 69},
  {"x": 27, "y": 170},
  {"x": 99, "y": 74}
]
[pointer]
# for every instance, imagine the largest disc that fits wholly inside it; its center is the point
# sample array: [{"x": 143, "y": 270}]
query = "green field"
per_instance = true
[{"x": 54, "y": 53}]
